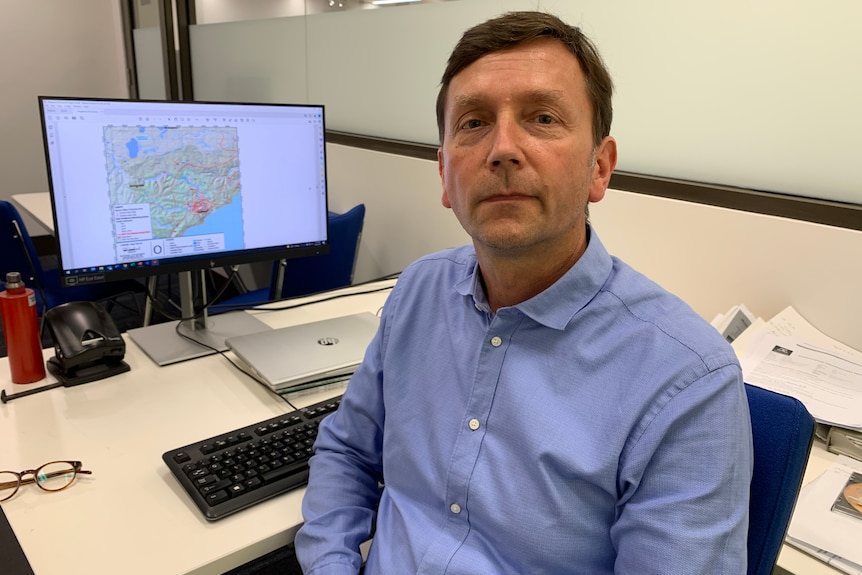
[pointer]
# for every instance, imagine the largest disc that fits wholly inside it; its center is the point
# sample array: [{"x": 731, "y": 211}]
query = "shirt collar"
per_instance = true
[{"x": 558, "y": 304}]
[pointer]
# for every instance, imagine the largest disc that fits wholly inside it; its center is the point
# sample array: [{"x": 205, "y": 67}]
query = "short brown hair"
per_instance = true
[{"x": 514, "y": 28}]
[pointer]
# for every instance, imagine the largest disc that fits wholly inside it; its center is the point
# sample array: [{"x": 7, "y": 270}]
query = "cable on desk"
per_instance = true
[{"x": 260, "y": 306}]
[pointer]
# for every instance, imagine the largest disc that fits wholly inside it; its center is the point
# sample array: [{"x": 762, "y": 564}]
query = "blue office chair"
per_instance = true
[
  {"x": 18, "y": 254},
  {"x": 783, "y": 431},
  {"x": 311, "y": 274}
]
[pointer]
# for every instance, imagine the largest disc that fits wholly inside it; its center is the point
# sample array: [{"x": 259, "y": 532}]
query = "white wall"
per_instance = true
[
  {"x": 51, "y": 48},
  {"x": 404, "y": 218},
  {"x": 713, "y": 258}
]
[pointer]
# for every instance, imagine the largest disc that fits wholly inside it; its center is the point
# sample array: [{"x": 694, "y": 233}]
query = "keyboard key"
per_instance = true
[
  {"x": 216, "y": 497},
  {"x": 205, "y": 480},
  {"x": 278, "y": 473},
  {"x": 218, "y": 485},
  {"x": 198, "y": 472},
  {"x": 181, "y": 457},
  {"x": 252, "y": 483}
]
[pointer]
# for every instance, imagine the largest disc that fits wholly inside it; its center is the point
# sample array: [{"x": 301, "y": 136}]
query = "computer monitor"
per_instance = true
[{"x": 140, "y": 188}]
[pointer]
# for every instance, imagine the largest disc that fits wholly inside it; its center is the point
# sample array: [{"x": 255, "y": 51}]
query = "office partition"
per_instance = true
[{"x": 758, "y": 94}]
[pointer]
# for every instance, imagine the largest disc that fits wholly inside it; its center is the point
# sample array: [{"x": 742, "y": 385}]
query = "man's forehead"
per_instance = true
[
  {"x": 526, "y": 53},
  {"x": 542, "y": 70}
]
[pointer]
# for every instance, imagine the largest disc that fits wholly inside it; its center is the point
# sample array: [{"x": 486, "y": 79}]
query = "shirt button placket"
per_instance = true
[{"x": 474, "y": 424}]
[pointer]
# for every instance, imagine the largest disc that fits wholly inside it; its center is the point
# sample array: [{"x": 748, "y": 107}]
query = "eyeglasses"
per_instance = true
[{"x": 53, "y": 476}]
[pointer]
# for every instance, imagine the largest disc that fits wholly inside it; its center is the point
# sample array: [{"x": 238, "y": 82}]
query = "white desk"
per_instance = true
[
  {"x": 38, "y": 206},
  {"x": 130, "y": 515}
]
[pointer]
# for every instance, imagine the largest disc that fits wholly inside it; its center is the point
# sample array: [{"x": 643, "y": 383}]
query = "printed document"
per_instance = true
[{"x": 789, "y": 356}]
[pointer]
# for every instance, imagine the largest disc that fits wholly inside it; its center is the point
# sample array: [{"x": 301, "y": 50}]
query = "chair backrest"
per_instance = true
[
  {"x": 333, "y": 270},
  {"x": 782, "y": 430},
  {"x": 17, "y": 252}
]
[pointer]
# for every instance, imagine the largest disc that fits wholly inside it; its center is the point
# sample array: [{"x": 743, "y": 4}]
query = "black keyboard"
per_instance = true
[{"x": 235, "y": 470}]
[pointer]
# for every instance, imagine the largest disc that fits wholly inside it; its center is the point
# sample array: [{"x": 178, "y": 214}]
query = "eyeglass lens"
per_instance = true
[
  {"x": 8, "y": 484},
  {"x": 52, "y": 476}
]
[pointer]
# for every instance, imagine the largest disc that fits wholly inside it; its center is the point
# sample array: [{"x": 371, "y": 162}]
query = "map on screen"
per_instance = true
[{"x": 165, "y": 180}]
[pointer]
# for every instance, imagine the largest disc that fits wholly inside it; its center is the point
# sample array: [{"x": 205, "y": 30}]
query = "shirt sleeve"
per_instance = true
[
  {"x": 685, "y": 483},
  {"x": 340, "y": 503}
]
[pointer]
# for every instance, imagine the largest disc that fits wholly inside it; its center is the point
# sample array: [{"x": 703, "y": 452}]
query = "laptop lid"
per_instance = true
[{"x": 295, "y": 355}]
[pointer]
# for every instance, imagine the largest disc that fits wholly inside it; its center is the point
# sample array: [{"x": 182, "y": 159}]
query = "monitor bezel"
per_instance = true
[{"x": 185, "y": 263}]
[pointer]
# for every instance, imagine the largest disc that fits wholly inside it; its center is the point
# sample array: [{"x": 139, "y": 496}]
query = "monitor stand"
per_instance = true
[{"x": 165, "y": 346}]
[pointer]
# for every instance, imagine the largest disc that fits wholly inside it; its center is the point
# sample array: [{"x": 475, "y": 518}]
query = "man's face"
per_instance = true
[{"x": 517, "y": 161}]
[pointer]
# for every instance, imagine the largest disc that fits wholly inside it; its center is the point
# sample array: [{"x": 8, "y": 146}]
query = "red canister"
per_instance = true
[{"x": 21, "y": 330}]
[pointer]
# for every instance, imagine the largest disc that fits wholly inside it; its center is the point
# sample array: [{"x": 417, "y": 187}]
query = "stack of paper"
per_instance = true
[{"x": 788, "y": 355}]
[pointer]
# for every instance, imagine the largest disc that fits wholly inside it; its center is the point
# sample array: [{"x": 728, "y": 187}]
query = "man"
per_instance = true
[{"x": 531, "y": 404}]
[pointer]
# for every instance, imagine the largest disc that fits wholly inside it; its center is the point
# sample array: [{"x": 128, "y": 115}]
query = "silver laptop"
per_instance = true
[{"x": 296, "y": 355}]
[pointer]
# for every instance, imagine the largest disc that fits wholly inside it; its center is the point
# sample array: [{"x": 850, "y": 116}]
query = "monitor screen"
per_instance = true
[{"x": 141, "y": 188}]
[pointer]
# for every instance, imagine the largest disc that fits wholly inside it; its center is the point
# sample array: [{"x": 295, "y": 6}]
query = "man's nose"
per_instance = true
[{"x": 506, "y": 143}]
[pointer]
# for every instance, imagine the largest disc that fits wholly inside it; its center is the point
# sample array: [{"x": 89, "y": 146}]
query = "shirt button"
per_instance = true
[
  {"x": 455, "y": 508},
  {"x": 474, "y": 424},
  {"x": 496, "y": 341}
]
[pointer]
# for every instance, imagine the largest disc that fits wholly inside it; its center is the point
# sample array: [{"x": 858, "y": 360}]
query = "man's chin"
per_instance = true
[{"x": 512, "y": 238}]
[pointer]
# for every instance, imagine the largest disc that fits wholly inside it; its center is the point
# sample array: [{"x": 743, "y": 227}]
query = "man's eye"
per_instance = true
[
  {"x": 544, "y": 119},
  {"x": 471, "y": 124}
]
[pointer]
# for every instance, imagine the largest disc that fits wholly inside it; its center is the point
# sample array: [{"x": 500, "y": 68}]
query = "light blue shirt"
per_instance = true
[{"x": 599, "y": 427}]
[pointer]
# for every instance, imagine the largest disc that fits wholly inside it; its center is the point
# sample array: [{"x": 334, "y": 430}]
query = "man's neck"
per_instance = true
[{"x": 511, "y": 279}]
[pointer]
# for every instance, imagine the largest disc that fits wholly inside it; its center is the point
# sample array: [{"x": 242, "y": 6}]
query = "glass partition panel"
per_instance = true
[
  {"x": 251, "y": 61},
  {"x": 148, "y": 62},
  {"x": 689, "y": 105},
  {"x": 375, "y": 69},
  {"x": 148, "y": 37}
]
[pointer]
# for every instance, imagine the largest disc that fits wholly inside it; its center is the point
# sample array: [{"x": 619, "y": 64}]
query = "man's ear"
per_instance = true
[
  {"x": 606, "y": 161},
  {"x": 445, "y": 198}
]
